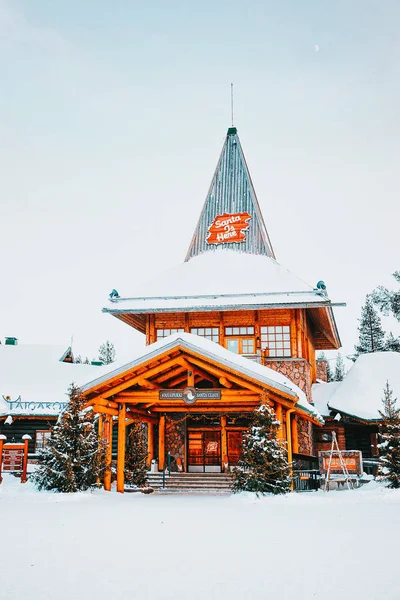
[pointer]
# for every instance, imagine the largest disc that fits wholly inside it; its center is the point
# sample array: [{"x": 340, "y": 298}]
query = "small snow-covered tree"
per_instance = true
[
  {"x": 371, "y": 334},
  {"x": 389, "y": 460},
  {"x": 136, "y": 456},
  {"x": 80, "y": 360},
  {"x": 263, "y": 467},
  {"x": 107, "y": 353},
  {"x": 340, "y": 370},
  {"x": 73, "y": 459},
  {"x": 392, "y": 344}
]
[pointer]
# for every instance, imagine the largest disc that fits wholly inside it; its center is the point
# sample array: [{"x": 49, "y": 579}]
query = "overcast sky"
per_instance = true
[{"x": 112, "y": 118}]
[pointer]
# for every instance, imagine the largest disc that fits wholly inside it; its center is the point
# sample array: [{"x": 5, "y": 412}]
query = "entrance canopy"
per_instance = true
[{"x": 217, "y": 380}]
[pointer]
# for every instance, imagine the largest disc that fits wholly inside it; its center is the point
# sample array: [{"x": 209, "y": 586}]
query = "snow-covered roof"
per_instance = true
[
  {"x": 34, "y": 381},
  {"x": 221, "y": 279},
  {"x": 217, "y": 353},
  {"x": 360, "y": 393},
  {"x": 321, "y": 394}
]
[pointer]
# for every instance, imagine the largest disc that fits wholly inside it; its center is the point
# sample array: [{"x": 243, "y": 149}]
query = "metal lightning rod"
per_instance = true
[{"x": 232, "y": 102}]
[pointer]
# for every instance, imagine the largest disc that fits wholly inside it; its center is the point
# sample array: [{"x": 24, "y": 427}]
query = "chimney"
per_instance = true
[{"x": 322, "y": 365}]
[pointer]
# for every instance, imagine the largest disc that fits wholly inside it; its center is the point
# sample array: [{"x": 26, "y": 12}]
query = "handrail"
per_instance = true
[{"x": 169, "y": 469}]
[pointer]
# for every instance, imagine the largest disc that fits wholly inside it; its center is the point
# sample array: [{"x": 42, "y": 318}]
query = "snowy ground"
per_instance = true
[{"x": 111, "y": 546}]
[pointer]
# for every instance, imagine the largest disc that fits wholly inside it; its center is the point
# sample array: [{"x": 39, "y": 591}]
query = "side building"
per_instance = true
[
  {"x": 34, "y": 382},
  {"x": 226, "y": 330},
  {"x": 351, "y": 407}
]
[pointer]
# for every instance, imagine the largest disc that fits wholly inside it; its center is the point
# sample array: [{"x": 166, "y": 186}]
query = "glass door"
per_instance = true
[{"x": 204, "y": 451}]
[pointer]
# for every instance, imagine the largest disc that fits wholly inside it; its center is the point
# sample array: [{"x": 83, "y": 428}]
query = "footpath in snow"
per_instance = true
[{"x": 186, "y": 547}]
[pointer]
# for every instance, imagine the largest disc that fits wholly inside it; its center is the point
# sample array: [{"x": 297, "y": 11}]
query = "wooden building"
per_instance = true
[
  {"x": 34, "y": 381},
  {"x": 226, "y": 330},
  {"x": 351, "y": 407}
]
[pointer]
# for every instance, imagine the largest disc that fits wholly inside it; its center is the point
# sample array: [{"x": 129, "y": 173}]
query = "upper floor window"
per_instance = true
[
  {"x": 162, "y": 333},
  {"x": 240, "y": 340},
  {"x": 276, "y": 340},
  {"x": 211, "y": 333}
]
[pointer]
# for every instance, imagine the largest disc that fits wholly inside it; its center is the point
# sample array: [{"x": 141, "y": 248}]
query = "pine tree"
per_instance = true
[
  {"x": 72, "y": 459},
  {"x": 107, "y": 353},
  {"x": 136, "y": 456},
  {"x": 389, "y": 460},
  {"x": 340, "y": 371},
  {"x": 388, "y": 301},
  {"x": 392, "y": 344},
  {"x": 371, "y": 338},
  {"x": 263, "y": 467}
]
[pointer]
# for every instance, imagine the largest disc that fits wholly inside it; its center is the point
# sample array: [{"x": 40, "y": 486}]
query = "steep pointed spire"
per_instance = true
[{"x": 231, "y": 217}]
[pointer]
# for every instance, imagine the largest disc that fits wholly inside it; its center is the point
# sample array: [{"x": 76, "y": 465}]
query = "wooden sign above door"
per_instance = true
[
  {"x": 227, "y": 228},
  {"x": 189, "y": 395}
]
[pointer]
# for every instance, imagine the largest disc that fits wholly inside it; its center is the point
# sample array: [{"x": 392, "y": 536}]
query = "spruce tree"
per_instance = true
[
  {"x": 340, "y": 371},
  {"x": 389, "y": 460},
  {"x": 388, "y": 301},
  {"x": 107, "y": 353},
  {"x": 371, "y": 337},
  {"x": 263, "y": 467},
  {"x": 73, "y": 459},
  {"x": 392, "y": 344},
  {"x": 136, "y": 456}
]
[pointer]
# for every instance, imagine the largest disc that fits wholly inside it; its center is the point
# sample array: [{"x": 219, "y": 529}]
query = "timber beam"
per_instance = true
[{"x": 160, "y": 368}]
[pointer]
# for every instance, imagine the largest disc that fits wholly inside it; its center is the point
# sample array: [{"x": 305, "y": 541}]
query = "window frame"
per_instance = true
[
  {"x": 171, "y": 331},
  {"x": 280, "y": 348},
  {"x": 213, "y": 336},
  {"x": 44, "y": 439}
]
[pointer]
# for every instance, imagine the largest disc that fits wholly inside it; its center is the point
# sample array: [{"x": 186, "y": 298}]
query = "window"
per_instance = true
[
  {"x": 238, "y": 340},
  {"x": 162, "y": 333},
  {"x": 239, "y": 330},
  {"x": 41, "y": 438},
  {"x": 324, "y": 436},
  {"x": 211, "y": 333},
  {"x": 276, "y": 340}
]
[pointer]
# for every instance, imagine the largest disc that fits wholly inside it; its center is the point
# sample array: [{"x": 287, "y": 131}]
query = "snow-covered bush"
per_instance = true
[{"x": 263, "y": 467}]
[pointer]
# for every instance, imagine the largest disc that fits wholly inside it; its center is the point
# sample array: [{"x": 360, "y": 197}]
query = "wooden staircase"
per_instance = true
[{"x": 207, "y": 483}]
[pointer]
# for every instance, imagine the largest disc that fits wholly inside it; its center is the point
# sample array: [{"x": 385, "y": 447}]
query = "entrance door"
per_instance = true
[
  {"x": 235, "y": 440},
  {"x": 204, "y": 451}
]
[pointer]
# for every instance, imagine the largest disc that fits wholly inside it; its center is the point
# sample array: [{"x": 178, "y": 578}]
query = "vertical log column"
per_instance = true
[
  {"x": 150, "y": 444},
  {"x": 121, "y": 448},
  {"x": 224, "y": 442},
  {"x": 100, "y": 437},
  {"x": 161, "y": 442},
  {"x": 107, "y": 436},
  {"x": 295, "y": 435},
  {"x": 278, "y": 413}
]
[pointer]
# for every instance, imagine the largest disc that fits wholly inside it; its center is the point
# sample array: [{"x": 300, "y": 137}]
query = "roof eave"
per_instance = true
[{"x": 225, "y": 307}]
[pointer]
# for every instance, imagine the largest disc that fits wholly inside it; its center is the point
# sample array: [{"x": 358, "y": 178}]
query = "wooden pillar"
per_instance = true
[
  {"x": 299, "y": 334},
  {"x": 224, "y": 441},
  {"x": 26, "y": 439},
  {"x": 100, "y": 437},
  {"x": 121, "y": 448},
  {"x": 150, "y": 444},
  {"x": 2, "y": 438},
  {"x": 279, "y": 416},
  {"x": 161, "y": 442},
  {"x": 293, "y": 333},
  {"x": 100, "y": 425},
  {"x": 295, "y": 435},
  {"x": 107, "y": 436}
]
